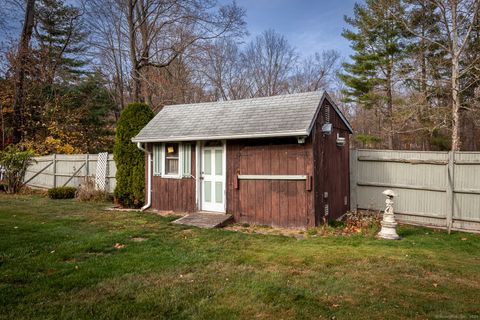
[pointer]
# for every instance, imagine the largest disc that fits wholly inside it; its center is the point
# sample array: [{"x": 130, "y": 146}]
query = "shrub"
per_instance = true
[
  {"x": 87, "y": 191},
  {"x": 61, "y": 193},
  {"x": 361, "y": 220},
  {"x": 15, "y": 163},
  {"x": 130, "y": 161}
]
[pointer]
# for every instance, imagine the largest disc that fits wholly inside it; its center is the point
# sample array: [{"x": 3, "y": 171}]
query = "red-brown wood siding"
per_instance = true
[
  {"x": 331, "y": 167},
  {"x": 177, "y": 195},
  {"x": 285, "y": 203}
]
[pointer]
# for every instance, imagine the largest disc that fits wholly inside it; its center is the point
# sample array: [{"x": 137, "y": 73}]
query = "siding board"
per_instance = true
[
  {"x": 273, "y": 202},
  {"x": 176, "y": 195},
  {"x": 420, "y": 181}
]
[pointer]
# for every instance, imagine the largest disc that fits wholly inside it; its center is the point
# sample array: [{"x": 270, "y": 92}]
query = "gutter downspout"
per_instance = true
[{"x": 149, "y": 178}]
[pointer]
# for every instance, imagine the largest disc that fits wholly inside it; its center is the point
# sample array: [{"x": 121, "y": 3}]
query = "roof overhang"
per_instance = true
[
  {"x": 295, "y": 134},
  {"x": 340, "y": 113},
  {"x": 327, "y": 97}
]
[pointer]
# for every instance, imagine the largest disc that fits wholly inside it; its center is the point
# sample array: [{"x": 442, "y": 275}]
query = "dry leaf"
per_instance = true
[
  {"x": 435, "y": 285},
  {"x": 119, "y": 246},
  {"x": 464, "y": 239},
  {"x": 335, "y": 305}
]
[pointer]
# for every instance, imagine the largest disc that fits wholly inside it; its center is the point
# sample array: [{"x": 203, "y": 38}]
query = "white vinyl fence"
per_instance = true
[
  {"x": 59, "y": 170},
  {"x": 440, "y": 189}
]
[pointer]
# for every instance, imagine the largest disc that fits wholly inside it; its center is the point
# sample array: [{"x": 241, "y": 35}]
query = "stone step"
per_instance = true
[{"x": 205, "y": 220}]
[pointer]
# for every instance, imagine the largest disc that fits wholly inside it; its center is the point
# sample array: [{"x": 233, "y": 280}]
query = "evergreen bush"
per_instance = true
[
  {"x": 62, "y": 193},
  {"x": 130, "y": 161}
]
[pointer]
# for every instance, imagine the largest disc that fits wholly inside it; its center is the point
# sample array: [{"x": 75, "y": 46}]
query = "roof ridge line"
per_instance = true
[{"x": 247, "y": 99}]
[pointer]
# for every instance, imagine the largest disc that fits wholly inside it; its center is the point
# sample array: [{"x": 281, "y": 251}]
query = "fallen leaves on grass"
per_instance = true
[{"x": 119, "y": 246}]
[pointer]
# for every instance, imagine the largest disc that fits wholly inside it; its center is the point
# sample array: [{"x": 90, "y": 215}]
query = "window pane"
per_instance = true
[
  {"x": 171, "y": 150},
  {"x": 218, "y": 192},
  {"x": 208, "y": 191},
  {"x": 207, "y": 167},
  {"x": 171, "y": 166},
  {"x": 218, "y": 162},
  {"x": 157, "y": 159},
  {"x": 171, "y": 158},
  {"x": 187, "y": 159}
]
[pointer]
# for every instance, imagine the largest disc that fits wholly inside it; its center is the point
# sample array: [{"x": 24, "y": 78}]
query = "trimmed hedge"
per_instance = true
[
  {"x": 130, "y": 161},
  {"x": 62, "y": 193}
]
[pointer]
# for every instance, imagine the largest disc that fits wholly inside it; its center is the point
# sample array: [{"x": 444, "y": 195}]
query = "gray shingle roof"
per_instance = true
[{"x": 277, "y": 116}]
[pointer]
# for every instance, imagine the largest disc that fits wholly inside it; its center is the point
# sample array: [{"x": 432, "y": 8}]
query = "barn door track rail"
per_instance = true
[
  {"x": 271, "y": 177},
  {"x": 290, "y": 177}
]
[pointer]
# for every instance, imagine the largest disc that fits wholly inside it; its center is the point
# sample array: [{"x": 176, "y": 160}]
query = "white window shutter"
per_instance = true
[
  {"x": 157, "y": 159},
  {"x": 187, "y": 160}
]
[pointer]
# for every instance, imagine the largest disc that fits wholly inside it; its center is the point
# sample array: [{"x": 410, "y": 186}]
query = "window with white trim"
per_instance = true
[
  {"x": 172, "y": 155},
  {"x": 172, "y": 160}
]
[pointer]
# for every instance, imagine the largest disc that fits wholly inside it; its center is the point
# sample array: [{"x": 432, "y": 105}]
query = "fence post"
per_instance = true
[
  {"x": 54, "y": 170},
  {"x": 353, "y": 179},
  {"x": 87, "y": 170},
  {"x": 450, "y": 186}
]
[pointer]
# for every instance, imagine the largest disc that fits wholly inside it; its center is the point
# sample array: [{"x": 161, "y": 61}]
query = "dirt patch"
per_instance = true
[
  {"x": 327, "y": 230},
  {"x": 267, "y": 230},
  {"x": 118, "y": 208},
  {"x": 138, "y": 239},
  {"x": 169, "y": 213}
]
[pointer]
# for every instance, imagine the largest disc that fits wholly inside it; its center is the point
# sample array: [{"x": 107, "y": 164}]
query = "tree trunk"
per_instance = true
[
  {"x": 135, "y": 73},
  {"x": 390, "y": 108},
  {"x": 20, "y": 65},
  {"x": 455, "y": 77},
  {"x": 456, "y": 143}
]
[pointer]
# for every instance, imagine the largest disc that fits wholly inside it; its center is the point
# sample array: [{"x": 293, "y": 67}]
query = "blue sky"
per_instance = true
[{"x": 309, "y": 25}]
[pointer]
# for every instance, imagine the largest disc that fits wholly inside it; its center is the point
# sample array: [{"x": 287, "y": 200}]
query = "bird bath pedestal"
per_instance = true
[{"x": 388, "y": 223}]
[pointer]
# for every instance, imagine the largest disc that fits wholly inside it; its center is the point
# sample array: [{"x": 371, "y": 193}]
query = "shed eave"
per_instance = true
[{"x": 226, "y": 137}]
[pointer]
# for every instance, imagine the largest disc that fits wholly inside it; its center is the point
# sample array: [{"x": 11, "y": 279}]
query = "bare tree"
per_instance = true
[
  {"x": 152, "y": 34},
  {"x": 316, "y": 72},
  {"x": 225, "y": 73},
  {"x": 457, "y": 20},
  {"x": 108, "y": 39},
  {"x": 159, "y": 31},
  {"x": 270, "y": 60}
]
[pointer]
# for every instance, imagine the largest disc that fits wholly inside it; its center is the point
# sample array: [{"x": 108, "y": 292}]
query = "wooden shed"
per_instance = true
[{"x": 280, "y": 161}]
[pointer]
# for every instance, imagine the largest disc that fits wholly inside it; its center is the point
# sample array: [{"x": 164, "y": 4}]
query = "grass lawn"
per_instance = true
[{"x": 58, "y": 260}]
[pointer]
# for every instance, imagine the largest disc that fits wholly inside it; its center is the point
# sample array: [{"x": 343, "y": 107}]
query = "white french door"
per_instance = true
[{"x": 213, "y": 178}]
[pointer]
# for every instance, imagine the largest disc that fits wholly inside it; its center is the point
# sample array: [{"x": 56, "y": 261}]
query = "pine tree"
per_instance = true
[
  {"x": 60, "y": 41},
  {"x": 56, "y": 65},
  {"x": 422, "y": 68},
  {"x": 378, "y": 42}
]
